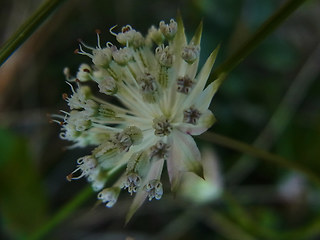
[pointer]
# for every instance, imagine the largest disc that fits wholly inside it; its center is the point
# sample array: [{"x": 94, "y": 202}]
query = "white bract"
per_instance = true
[{"x": 164, "y": 100}]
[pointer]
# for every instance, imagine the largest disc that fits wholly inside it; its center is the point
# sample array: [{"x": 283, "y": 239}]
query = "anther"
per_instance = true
[
  {"x": 132, "y": 182},
  {"x": 190, "y": 53},
  {"x": 126, "y": 28},
  {"x": 161, "y": 126},
  {"x": 69, "y": 177},
  {"x": 154, "y": 189},
  {"x": 168, "y": 30},
  {"x": 160, "y": 150},
  {"x": 184, "y": 84},
  {"x": 64, "y": 96},
  {"x": 191, "y": 115}
]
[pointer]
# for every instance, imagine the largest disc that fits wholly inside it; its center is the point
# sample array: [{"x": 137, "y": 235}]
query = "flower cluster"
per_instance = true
[{"x": 163, "y": 100}]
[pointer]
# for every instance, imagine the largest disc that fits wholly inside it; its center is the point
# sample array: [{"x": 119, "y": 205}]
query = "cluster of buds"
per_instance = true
[{"x": 164, "y": 101}]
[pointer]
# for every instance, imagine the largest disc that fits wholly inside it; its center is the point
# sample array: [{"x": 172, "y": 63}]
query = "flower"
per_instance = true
[{"x": 163, "y": 102}]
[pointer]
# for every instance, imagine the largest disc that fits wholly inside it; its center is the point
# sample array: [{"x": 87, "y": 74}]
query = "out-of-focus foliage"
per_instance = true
[
  {"x": 271, "y": 100},
  {"x": 22, "y": 199}
]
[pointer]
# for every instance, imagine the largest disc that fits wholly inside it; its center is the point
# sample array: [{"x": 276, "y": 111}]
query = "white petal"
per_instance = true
[
  {"x": 174, "y": 163},
  {"x": 178, "y": 43},
  {"x": 192, "y": 68},
  {"x": 203, "y": 101},
  {"x": 206, "y": 120},
  {"x": 202, "y": 77},
  {"x": 184, "y": 157}
]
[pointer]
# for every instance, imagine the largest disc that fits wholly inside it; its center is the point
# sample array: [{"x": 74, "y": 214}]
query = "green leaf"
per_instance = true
[{"x": 22, "y": 199}]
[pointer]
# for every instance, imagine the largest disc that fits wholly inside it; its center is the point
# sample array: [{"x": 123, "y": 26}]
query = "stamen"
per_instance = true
[
  {"x": 126, "y": 29},
  {"x": 148, "y": 87},
  {"x": 64, "y": 96},
  {"x": 85, "y": 45},
  {"x": 102, "y": 57},
  {"x": 155, "y": 35},
  {"x": 164, "y": 56},
  {"x": 154, "y": 189},
  {"x": 83, "y": 73},
  {"x": 128, "y": 137},
  {"x": 132, "y": 182},
  {"x": 191, "y": 115},
  {"x": 111, "y": 32},
  {"x": 109, "y": 196},
  {"x": 184, "y": 84},
  {"x": 82, "y": 52},
  {"x": 108, "y": 85},
  {"x": 98, "y": 32},
  {"x": 190, "y": 53},
  {"x": 168, "y": 31},
  {"x": 86, "y": 165},
  {"x": 121, "y": 56},
  {"x": 161, "y": 126},
  {"x": 71, "y": 87},
  {"x": 160, "y": 150}
]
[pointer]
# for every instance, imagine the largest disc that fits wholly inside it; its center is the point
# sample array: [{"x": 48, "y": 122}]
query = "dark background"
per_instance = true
[{"x": 271, "y": 99}]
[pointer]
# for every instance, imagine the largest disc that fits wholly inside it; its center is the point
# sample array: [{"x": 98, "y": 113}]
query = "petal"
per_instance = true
[
  {"x": 154, "y": 173},
  {"x": 174, "y": 163},
  {"x": 179, "y": 42},
  {"x": 192, "y": 68},
  {"x": 192, "y": 156},
  {"x": 202, "y": 76},
  {"x": 184, "y": 157},
  {"x": 180, "y": 39},
  {"x": 197, "y": 36},
  {"x": 206, "y": 120},
  {"x": 202, "y": 102}
]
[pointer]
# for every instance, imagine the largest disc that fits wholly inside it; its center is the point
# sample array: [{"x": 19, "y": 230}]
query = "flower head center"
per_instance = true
[{"x": 161, "y": 126}]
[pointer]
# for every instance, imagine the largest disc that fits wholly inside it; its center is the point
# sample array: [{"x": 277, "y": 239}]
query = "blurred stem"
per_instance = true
[
  {"x": 240, "y": 214},
  {"x": 27, "y": 28},
  {"x": 268, "y": 27},
  {"x": 259, "y": 153},
  {"x": 223, "y": 225},
  {"x": 282, "y": 116},
  {"x": 61, "y": 215},
  {"x": 66, "y": 210}
]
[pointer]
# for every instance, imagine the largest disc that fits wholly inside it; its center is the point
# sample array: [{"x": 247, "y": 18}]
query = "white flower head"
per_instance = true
[{"x": 164, "y": 101}]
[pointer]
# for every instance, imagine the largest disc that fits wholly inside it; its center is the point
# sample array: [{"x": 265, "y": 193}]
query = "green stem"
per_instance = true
[
  {"x": 67, "y": 209},
  {"x": 62, "y": 214},
  {"x": 259, "y": 153},
  {"x": 242, "y": 217},
  {"x": 268, "y": 27},
  {"x": 27, "y": 28}
]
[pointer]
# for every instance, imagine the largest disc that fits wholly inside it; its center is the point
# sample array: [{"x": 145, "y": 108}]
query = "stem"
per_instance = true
[
  {"x": 259, "y": 153},
  {"x": 281, "y": 117},
  {"x": 243, "y": 217},
  {"x": 27, "y": 28},
  {"x": 67, "y": 209},
  {"x": 269, "y": 26},
  {"x": 62, "y": 214}
]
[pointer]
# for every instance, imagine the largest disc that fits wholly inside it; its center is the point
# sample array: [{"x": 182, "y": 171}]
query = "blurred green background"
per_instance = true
[{"x": 270, "y": 100}]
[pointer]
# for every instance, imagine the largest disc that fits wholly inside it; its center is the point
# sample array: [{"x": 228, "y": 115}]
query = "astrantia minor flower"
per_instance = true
[{"x": 164, "y": 101}]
